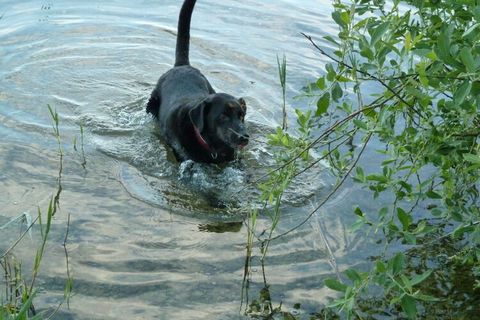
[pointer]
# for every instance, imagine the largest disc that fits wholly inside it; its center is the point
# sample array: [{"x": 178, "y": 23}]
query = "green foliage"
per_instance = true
[
  {"x": 424, "y": 56},
  {"x": 405, "y": 74},
  {"x": 20, "y": 295},
  {"x": 291, "y": 155}
]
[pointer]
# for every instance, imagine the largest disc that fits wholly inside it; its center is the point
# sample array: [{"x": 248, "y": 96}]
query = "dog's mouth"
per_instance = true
[
  {"x": 242, "y": 145},
  {"x": 241, "y": 140}
]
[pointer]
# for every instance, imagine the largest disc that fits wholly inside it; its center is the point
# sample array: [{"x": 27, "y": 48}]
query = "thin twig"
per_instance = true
[
  {"x": 315, "y": 141},
  {"x": 365, "y": 73},
  {"x": 414, "y": 75},
  {"x": 332, "y": 259},
  {"x": 241, "y": 135},
  {"x": 324, "y": 156},
  {"x": 19, "y": 239},
  {"x": 56, "y": 310},
  {"x": 84, "y": 162},
  {"x": 69, "y": 277},
  {"x": 447, "y": 235},
  {"x": 329, "y": 195},
  {"x": 265, "y": 285}
]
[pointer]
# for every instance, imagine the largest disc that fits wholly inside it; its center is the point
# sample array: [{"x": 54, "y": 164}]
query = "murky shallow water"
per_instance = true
[{"x": 148, "y": 238}]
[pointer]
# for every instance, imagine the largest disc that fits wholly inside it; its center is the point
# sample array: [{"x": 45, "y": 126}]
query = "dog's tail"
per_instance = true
[{"x": 183, "y": 33}]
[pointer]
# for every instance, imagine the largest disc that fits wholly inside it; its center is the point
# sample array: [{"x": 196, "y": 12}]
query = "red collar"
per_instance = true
[
  {"x": 201, "y": 140},
  {"x": 204, "y": 143}
]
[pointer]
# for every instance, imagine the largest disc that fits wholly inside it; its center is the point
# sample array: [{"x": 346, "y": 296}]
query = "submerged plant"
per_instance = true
[{"x": 82, "y": 147}]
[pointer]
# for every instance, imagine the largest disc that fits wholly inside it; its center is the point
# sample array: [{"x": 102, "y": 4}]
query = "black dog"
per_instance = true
[{"x": 196, "y": 122}]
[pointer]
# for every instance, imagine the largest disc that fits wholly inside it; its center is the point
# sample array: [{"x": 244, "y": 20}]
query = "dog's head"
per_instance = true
[{"x": 220, "y": 118}]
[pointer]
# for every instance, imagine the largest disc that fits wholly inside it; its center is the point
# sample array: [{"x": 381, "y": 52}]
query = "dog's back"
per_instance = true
[{"x": 184, "y": 84}]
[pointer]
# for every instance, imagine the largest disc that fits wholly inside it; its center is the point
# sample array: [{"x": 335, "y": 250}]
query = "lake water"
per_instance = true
[{"x": 150, "y": 238}]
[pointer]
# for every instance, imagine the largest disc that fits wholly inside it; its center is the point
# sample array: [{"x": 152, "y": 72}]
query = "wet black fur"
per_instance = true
[{"x": 183, "y": 98}]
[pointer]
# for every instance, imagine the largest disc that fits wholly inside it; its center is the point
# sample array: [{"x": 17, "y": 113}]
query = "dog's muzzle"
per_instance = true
[
  {"x": 239, "y": 138},
  {"x": 243, "y": 140}
]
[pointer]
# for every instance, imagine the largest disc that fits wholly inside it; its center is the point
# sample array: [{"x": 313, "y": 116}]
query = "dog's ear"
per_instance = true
[
  {"x": 198, "y": 114},
  {"x": 243, "y": 104}
]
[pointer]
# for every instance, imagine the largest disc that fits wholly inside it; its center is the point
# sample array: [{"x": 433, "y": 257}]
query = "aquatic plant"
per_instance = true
[{"x": 20, "y": 291}]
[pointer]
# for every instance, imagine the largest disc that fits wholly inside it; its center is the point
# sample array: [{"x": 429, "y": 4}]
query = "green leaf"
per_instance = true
[
  {"x": 357, "y": 225},
  {"x": 443, "y": 45},
  {"x": 360, "y": 177},
  {"x": 22, "y": 314},
  {"x": 338, "y": 17},
  {"x": 420, "y": 277},
  {"x": 462, "y": 92},
  {"x": 425, "y": 297},
  {"x": 335, "y": 285},
  {"x": 339, "y": 53},
  {"x": 432, "y": 56},
  {"x": 331, "y": 73},
  {"x": 406, "y": 186},
  {"x": 470, "y": 30},
  {"x": 380, "y": 266},
  {"x": 359, "y": 212},
  {"x": 341, "y": 78},
  {"x": 330, "y": 39},
  {"x": 379, "y": 32},
  {"x": 322, "y": 104},
  {"x": 410, "y": 238},
  {"x": 345, "y": 16},
  {"x": 339, "y": 303},
  {"x": 476, "y": 13},
  {"x": 421, "y": 69},
  {"x": 467, "y": 59},
  {"x": 377, "y": 177},
  {"x": 459, "y": 231},
  {"x": 367, "y": 52},
  {"x": 408, "y": 41},
  {"x": 321, "y": 83},
  {"x": 353, "y": 275},
  {"x": 382, "y": 212},
  {"x": 433, "y": 195},
  {"x": 405, "y": 282},
  {"x": 421, "y": 227},
  {"x": 337, "y": 92},
  {"x": 472, "y": 158},
  {"x": 360, "y": 124},
  {"x": 397, "y": 263},
  {"x": 404, "y": 218},
  {"x": 409, "y": 306}
]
